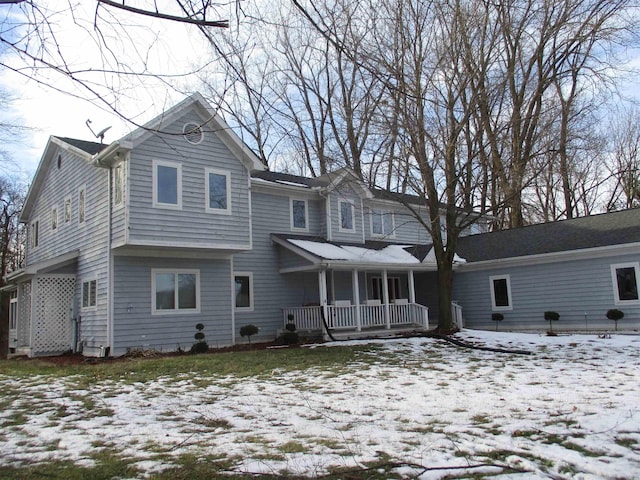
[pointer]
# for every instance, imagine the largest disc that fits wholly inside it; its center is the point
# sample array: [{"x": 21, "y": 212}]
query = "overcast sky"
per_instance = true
[
  {"x": 166, "y": 47},
  {"x": 139, "y": 42}
]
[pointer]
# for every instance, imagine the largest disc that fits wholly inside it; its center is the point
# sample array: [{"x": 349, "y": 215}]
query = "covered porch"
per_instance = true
[{"x": 362, "y": 290}]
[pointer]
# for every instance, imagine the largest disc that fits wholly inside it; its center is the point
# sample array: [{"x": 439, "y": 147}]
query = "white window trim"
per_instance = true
[
  {"x": 67, "y": 201},
  {"x": 88, "y": 308},
  {"x": 251, "y": 303},
  {"x": 494, "y": 307},
  {"x": 384, "y": 213},
  {"x": 176, "y": 310},
  {"x": 55, "y": 219},
  {"x": 119, "y": 167},
  {"x": 614, "y": 279},
  {"x": 13, "y": 310},
  {"x": 82, "y": 220},
  {"x": 207, "y": 185},
  {"x": 33, "y": 226},
  {"x": 178, "y": 167},
  {"x": 306, "y": 214},
  {"x": 353, "y": 216}
]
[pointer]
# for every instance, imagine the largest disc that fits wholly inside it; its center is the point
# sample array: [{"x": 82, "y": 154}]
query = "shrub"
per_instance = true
[
  {"x": 248, "y": 330},
  {"x": 551, "y": 316},
  {"x": 200, "y": 346},
  {"x": 290, "y": 338},
  {"x": 615, "y": 315},
  {"x": 497, "y": 317}
]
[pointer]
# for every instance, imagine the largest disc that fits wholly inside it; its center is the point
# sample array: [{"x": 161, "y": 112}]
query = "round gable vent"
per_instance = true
[{"x": 193, "y": 133}]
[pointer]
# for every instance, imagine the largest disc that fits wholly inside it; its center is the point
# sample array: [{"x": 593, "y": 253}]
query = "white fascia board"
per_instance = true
[
  {"x": 231, "y": 247},
  {"x": 553, "y": 257},
  {"x": 259, "y": 184},
  {"x": 139, "y": 251},
  {"x": 297, "y": 250}
]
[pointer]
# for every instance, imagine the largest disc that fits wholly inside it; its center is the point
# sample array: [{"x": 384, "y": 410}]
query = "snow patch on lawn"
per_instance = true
[{"x": 571, "y": 408}]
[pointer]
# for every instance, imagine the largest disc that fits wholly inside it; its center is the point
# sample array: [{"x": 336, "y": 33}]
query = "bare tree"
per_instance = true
[
  {"x": 11, "y": 247},
  {"x": 624, "y": 137}
]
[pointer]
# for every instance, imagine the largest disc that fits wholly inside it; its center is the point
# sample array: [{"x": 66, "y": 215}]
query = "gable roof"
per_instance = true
[
  {"x": 82, "y": 148},
  {"x": 89, "y": 147},
  {"x": 600, "y": 230},
  {"x": 210, "y": 118}
]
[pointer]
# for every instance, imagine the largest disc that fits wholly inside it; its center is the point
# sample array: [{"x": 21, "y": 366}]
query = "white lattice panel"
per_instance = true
[
  {"x": 24, "y": 314},
  {"x": 51, "y": 321}
]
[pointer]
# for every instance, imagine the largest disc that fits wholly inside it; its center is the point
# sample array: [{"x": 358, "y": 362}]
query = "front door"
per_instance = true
[{"x": 393, "y": 284}]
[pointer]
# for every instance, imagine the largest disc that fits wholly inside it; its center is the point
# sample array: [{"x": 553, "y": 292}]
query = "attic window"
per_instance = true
[
  {"x": 59, "y": 161},
  {"x": 193, "y": 133}
]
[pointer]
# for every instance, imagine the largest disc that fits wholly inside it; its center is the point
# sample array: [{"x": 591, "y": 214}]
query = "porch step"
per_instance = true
[{"x": 377, "y": 332}]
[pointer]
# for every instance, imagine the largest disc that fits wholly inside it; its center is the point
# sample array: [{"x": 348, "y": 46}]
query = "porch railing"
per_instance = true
[{"x": 370, "y": 316}]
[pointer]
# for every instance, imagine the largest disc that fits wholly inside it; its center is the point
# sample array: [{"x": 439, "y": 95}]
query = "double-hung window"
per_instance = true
[
  {"x": 167, "y": 185},
  {"x": 299, "y": 216},
  {"x": 118, "y": 184},
  {"x": 500, "y": 293},
  {"x": 82, "y": 200},
  {"x": 243, "y": 283},
  {"x": 347, "y": 220},
  {"x": 382, "y": 223},
  {"x": 34, "y": 234},
  {"x": 54, "y": 218},
  {"x": 67, "y": 209},
  {"x": 625, "y": 283},
  {"x": 175, "y": 290},
  {"x": 218, "y": 191},
  {"x": 89, "y": 293}
]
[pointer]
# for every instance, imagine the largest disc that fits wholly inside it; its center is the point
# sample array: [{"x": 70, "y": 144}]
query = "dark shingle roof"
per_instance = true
[
  {"x": 278, "y": 177},
  {"x": 90, "y": 147},
  {"x": 566, "y": 235}
]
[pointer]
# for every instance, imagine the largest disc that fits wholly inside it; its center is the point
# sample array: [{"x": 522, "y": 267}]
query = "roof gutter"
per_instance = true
[{"x": 111, "y": 155}]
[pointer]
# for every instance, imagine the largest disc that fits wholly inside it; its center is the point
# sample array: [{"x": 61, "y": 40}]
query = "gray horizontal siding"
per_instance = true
[
  {"x": 571, "y": 288},
  {"x": 192, "y": 224},
  {"x": 272, "y": 290},
  {"x": 345, "y": 192},
  {"x": 136, "y": 327},
  {"x": 90, "y": 238},
  {"x": 407, "y": 228},
  {"x": 118, "y": 212}
]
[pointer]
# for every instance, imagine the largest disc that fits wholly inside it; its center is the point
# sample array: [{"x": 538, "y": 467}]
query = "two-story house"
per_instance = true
[{"x": 132, "y": 244}]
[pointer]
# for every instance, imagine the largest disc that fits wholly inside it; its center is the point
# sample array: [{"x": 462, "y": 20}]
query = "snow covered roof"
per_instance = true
[
  {"x": 395, "y": 254},
  {"x": 370, "y": 254}
]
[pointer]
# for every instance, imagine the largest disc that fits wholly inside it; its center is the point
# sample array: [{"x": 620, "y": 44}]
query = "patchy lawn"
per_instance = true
[{"x": 381, "y": 409}]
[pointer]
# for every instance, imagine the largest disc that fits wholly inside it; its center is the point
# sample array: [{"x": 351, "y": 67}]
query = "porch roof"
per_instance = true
[
  {"x": 319, "y": 253},
  {"x": 43, "y": 267}
]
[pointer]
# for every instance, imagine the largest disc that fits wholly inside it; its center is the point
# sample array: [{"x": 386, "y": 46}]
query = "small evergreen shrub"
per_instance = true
[
  {"x": 248, "y": 331},
  {"x": 497, "y": 317},
  {"x": 551, "y": 316},
  {"x": 290, "y": 337},
  {"x": 201, "y": 345},
  {"x": 615, "y": 315}
]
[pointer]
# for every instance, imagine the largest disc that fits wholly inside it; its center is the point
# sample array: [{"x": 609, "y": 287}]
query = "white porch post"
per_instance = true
[
  {"x": 412, "y": 288},
  {"x": 322, "y": 286},
  {"x": 385, "y": 299},
  {"x": 356, "y": 298}
]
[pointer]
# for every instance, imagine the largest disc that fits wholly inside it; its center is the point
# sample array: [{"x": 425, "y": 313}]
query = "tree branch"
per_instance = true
[{"x": 164, "y": 16}]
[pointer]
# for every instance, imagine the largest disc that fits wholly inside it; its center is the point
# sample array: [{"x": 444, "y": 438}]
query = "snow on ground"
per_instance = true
[{"x": 570, "y": 410}]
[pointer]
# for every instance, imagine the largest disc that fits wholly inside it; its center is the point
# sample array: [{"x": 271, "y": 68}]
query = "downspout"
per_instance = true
[
  {"x": 233, "y": 302},
  {"x": 109, "y": 267}
]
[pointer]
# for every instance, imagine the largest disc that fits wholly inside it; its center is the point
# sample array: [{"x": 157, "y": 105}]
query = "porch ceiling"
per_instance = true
[{"x": 322, "y": 254}]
